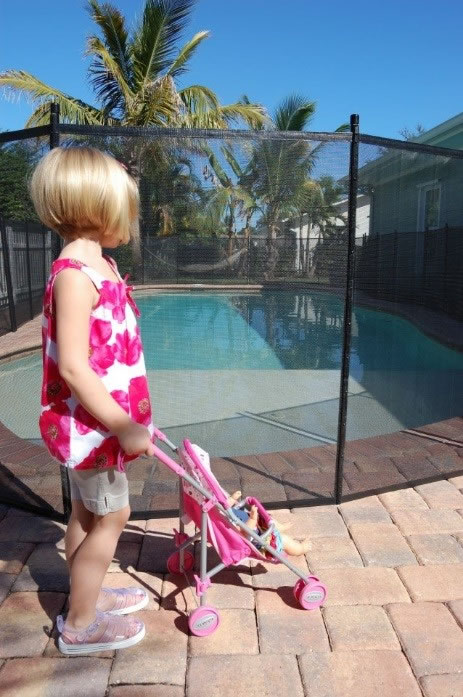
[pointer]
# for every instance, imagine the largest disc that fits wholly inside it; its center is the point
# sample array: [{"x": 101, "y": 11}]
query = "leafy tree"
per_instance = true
[
  {"x": 16, "y": 162},
  {"x": 278, "y": 173},
  {"x": 134, "y": 74},
  {"x": 411, "y": 134}
]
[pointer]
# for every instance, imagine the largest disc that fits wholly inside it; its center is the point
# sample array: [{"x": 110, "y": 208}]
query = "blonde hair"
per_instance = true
[{"x": 82, "y": 191}]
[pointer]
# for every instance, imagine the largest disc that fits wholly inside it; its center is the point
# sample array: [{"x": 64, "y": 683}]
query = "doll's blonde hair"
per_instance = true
[{"x": 80, "y": 192}]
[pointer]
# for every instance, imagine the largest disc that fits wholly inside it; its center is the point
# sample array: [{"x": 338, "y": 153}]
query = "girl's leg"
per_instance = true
[
  {"x": 80, "y": 523},
  {"x": 89, "y": 565}
]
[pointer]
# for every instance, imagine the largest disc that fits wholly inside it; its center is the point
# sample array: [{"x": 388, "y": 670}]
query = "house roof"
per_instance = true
[
  {"x": 448, "y": 134},
  {"x": 393, "y": 162}
]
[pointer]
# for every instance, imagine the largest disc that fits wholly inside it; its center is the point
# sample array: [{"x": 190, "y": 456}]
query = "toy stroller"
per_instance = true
[{"x": 203, "y": 501}]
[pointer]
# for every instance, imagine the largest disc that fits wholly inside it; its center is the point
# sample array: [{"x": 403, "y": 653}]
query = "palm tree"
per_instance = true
[
  {"x": 134, "y": 76},
  {"x": 318, "y": 205},
  {"x": 278, "y": 173},
  {"x": 174, "y": 193},
  {"x": 17, "y": 160},
  {"x": 228, "y": 198}
]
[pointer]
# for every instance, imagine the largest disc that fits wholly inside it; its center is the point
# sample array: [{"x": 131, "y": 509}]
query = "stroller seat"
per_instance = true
[{"x": 222, "y": 534}]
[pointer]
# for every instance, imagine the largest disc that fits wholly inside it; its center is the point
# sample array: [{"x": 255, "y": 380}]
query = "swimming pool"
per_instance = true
[{"x": 243, "y": 372}]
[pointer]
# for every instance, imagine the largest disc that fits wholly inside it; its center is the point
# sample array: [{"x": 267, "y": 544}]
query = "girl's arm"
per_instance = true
[{"x": 75, "y": 296}]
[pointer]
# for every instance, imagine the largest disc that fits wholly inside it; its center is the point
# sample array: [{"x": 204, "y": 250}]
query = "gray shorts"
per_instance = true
[{"x": 101, "y": 490}]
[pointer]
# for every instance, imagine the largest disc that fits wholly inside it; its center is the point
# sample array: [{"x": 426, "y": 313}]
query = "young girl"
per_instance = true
[{"x": 96, "y": 412}]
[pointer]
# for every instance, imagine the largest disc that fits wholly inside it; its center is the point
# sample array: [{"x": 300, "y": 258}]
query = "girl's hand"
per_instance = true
[{"x": 135, "y": 439}]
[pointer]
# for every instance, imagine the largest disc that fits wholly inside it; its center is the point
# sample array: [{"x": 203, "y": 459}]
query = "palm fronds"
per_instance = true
[
  {"x": 294, "y": 113},
  {"x": 72, "y": 110},
  {"x": 107, "y": 78},
  {"x": 112, "y": 25},
  {"x": 186, "y": 52},
  {"x": 155, "y": 40}
]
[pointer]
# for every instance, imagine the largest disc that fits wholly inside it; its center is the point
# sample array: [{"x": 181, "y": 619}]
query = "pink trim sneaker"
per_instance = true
[
  {"x": 107, "y": 632},
  {"x": 121, "y": 601}
]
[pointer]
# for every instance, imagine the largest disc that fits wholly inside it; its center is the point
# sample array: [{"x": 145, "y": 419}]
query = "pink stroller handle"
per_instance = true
[
  {"x": 174, "y": 466},
  {"x": 159, "y": 434},
  {"x": 171, "y": 464}
]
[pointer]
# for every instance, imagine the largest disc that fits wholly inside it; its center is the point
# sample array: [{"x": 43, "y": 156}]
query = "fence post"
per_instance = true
[
  {"x": 378, "y": 266},
  {"x": 348, "y": 302},
  {"x": 9, "y": 284},
  {"x": 396, "y": 264},
  {"x": 446, "y": 302},
  {"x": 248, "y": 256},
  {"x": 65, "y": 492},
  {"x": 142, "y": 264},
  {"x": 55, "y": 252},
  {"x": 44, "y": 256},
  {"x": 28, "y": 268},
  {"x": 54, "y": 143}
]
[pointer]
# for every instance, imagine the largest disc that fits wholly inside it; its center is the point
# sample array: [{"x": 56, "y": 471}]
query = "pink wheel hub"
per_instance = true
[
  {"x": 203, "y": 621},
  {"x": 310, "y": 594},
  {"x": 173, "y": 562}
]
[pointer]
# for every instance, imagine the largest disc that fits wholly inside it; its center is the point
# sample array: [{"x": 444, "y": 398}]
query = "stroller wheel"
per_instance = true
[
  {"x": 300, "y": 584},
  {"x": 204, "y": 620},
  {"x": 173, "y": 562},
  {"x": 310, "y": 594}
]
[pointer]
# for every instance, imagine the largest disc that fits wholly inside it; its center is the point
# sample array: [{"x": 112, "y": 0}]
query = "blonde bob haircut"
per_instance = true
[{"x": 83, "y": 192}]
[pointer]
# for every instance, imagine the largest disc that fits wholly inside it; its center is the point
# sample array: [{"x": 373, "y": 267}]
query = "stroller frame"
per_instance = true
[{"x": 205, "y": 624}]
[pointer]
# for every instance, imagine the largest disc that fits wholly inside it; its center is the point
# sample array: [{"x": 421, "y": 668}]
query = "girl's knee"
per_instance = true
[{"x": 81, "y": 514}]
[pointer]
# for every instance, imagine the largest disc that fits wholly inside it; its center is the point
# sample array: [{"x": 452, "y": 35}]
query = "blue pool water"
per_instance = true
[
  {"x": 280, "y": 330},
  {"x": 244, "y": 373}
]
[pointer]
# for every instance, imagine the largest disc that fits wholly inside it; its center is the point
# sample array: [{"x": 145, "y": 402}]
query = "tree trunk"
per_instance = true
[
  {"x": 230, "y": 243},
  {"x": 230, "y": 231},
  {"x": 244, "y": 260},
  {"x": 272, "y": 255}
]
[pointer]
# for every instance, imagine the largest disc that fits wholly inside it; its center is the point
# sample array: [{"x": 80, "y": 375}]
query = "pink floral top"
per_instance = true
[{"x": 71, "y": 434}]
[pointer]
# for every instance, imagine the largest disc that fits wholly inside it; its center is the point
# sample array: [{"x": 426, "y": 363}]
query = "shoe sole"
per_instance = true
[
  {"x": 79, "y": 649},
  {"x": 132, "y": 608}
]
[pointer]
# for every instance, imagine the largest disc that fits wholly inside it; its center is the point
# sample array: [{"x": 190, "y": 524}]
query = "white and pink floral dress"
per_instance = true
[{"x": 71, "y": 434}]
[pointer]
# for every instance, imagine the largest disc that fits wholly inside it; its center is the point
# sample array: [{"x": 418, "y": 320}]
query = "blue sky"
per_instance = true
[{"x": 395, "y": 63}]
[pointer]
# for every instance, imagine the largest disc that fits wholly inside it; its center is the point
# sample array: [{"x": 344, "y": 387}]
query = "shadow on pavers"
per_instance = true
[{"x": 46, "y": 570}]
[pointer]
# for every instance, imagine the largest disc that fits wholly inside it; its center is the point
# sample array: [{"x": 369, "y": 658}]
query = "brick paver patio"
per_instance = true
[{"x": 392, "y": 622}]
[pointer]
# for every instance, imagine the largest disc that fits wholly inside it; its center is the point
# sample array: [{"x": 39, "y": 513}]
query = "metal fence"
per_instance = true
[
  {"x": 242, "y": 260},
  {"x": 387, "y": 268},
  {"x": 25, "y": 259},
  {"x": 313, "y": 231}
]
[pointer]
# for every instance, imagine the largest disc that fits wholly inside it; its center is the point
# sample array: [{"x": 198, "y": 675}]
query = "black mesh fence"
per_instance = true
[
  {"x": 231, "y": 368},
  {"x": 25, "y": 253},
  {"x": 175, "y": 260},
  {"x": 28, "y": 247},
  {"x": 240, "y": 268},
  {"x": 406, "y": 360},
  {"x": 411, "y": 244}
]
